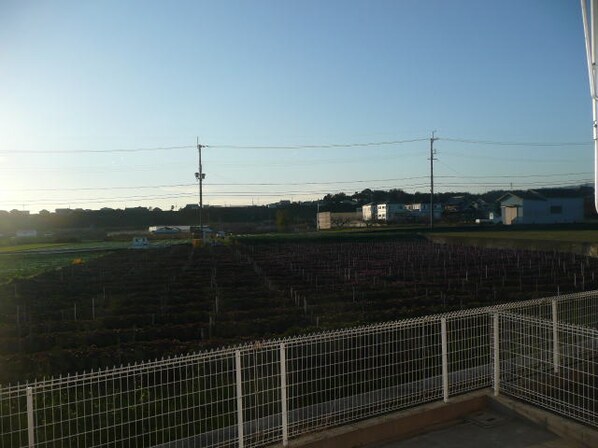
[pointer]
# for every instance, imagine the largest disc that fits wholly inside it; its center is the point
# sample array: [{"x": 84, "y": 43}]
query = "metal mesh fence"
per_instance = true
[
  {"x": 469, "y": 353},
  {"x": 267, "y": 392},
  {"x": 345, "y": 376},
  {"x": 552, "y": 365},
  {"x": 577, "y": 309},
  {"x": 13, "y": 416}
]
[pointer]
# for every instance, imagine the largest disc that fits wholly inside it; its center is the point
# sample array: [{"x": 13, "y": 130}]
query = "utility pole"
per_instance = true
[
  {"x": 590, "y": 31},
  {"x": 432, "y": 158},
  {"x": 200, "y": 176}
]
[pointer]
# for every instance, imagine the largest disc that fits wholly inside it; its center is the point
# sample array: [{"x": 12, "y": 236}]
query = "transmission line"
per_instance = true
[
  {"x": 291, "y": 147},
  {"x": 514, "y": 143}
]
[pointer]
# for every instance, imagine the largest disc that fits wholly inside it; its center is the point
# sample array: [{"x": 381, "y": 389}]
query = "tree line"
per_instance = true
[{"x": 282, "y": 216}]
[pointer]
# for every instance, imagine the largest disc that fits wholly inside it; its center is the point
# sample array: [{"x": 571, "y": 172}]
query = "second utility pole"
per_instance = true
[
  {"x": 200, "y": 176},
  {"x": 432, "y": 153}
]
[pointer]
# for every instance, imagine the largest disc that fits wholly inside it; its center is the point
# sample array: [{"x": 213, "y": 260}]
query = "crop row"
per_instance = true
[{"x": 133, "y": 305}]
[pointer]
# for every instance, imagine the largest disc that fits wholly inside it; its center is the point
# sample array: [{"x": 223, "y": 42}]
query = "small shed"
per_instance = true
[{"x": 542, "y": 207}]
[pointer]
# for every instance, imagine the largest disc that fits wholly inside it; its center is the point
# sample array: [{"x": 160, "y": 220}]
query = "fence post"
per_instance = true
[
  {"x": 283, "y": 394},
  {"x": 30, "y": 419},
  {"x": 239, "y": 398},
  {"x": 445, "y": 384},
  {"x": 496, "y": 351},
  {"x": 555, "y": 336}
]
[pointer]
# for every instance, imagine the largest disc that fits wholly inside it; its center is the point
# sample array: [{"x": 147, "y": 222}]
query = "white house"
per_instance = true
[
  {"x": 545, "y": 207},
  {"x": 368, "y": 212},
  {"x": 390, "y": 212}
]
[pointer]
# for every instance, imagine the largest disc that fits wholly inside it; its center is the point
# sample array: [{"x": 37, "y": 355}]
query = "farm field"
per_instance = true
[
  {"x": 13, "y": 248},
  {"x": 22, "y": 264},
  {"x": 128, "y": 306},
  {"x": 576, "y": 236},
  {"x": 26, "y": 260}
]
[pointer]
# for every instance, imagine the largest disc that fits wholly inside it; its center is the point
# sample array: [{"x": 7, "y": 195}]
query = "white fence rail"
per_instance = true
[{"x": 270, "y": 391}]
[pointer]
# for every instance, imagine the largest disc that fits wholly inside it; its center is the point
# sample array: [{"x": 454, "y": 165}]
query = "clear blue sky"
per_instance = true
[{"x": 134, "y": 74}]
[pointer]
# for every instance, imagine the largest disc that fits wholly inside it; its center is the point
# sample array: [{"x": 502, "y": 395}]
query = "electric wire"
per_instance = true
[
  {"x": 80, "y": 151},
  {"x": 269, "y": 193},
  {"x": 515, "y": 143},
  {"x": 265, "y": 184},
  {"x": 291, "y": 147},
  {"x": 491, "y": 180},
  {"x": 170, "y": 148},
  {"x": 322, "y": 146}
]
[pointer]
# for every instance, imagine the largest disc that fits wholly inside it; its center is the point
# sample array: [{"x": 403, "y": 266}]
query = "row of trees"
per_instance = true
[
  {"x": 402, "y": 197},
  {"x": 138, "y": 218},
  {"x": 282, "y": 217}
]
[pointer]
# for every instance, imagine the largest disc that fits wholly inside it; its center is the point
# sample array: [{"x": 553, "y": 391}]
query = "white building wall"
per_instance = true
[
  {"x": 389, "y": 211},
  {"x": 381, "y": 212},
  {"x": 550, "y": 211},
  {"x": 368, "y": 212},
  {"x": 573, "y": 209}
]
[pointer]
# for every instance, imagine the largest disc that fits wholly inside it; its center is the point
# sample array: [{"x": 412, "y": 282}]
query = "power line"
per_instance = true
[
  {"x": 513, "y": 143},
  {"x": 540, "y": 184},
  {"x": 269, "y": 184},
  {"x": 503, "y": 158},
  {"x": 283, "y": 192},
  {"x": 507, "y": 176},
  {"x": 291, "y": 147},
  {"x": 170, "y": 148},
  {"x": 140, "y": 187},
  {"x": 79, "y": 151},
  {"x": 322, "y": 146},
  {"x": 244, "y": 193}
]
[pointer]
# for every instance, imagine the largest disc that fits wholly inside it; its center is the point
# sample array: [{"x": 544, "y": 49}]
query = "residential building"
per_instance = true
[
  {"x": 281, "y": 203},
  {"x": 369, "y": 212},
  {"x": 422, "y": 209},
  {"x": 390, "y": 212},
  {"x": 545, "y": 207}
]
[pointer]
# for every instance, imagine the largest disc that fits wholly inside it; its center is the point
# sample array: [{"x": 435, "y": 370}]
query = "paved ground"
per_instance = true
[{"x": 485, "y": 429}]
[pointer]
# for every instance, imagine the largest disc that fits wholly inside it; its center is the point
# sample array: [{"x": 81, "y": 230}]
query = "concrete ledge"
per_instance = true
[
  {"x": 395, "y": 426},
  {"x": 575, "y": 433}
]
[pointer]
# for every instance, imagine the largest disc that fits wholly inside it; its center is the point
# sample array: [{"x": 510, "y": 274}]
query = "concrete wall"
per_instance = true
[{"x": 330, "y": 220}]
